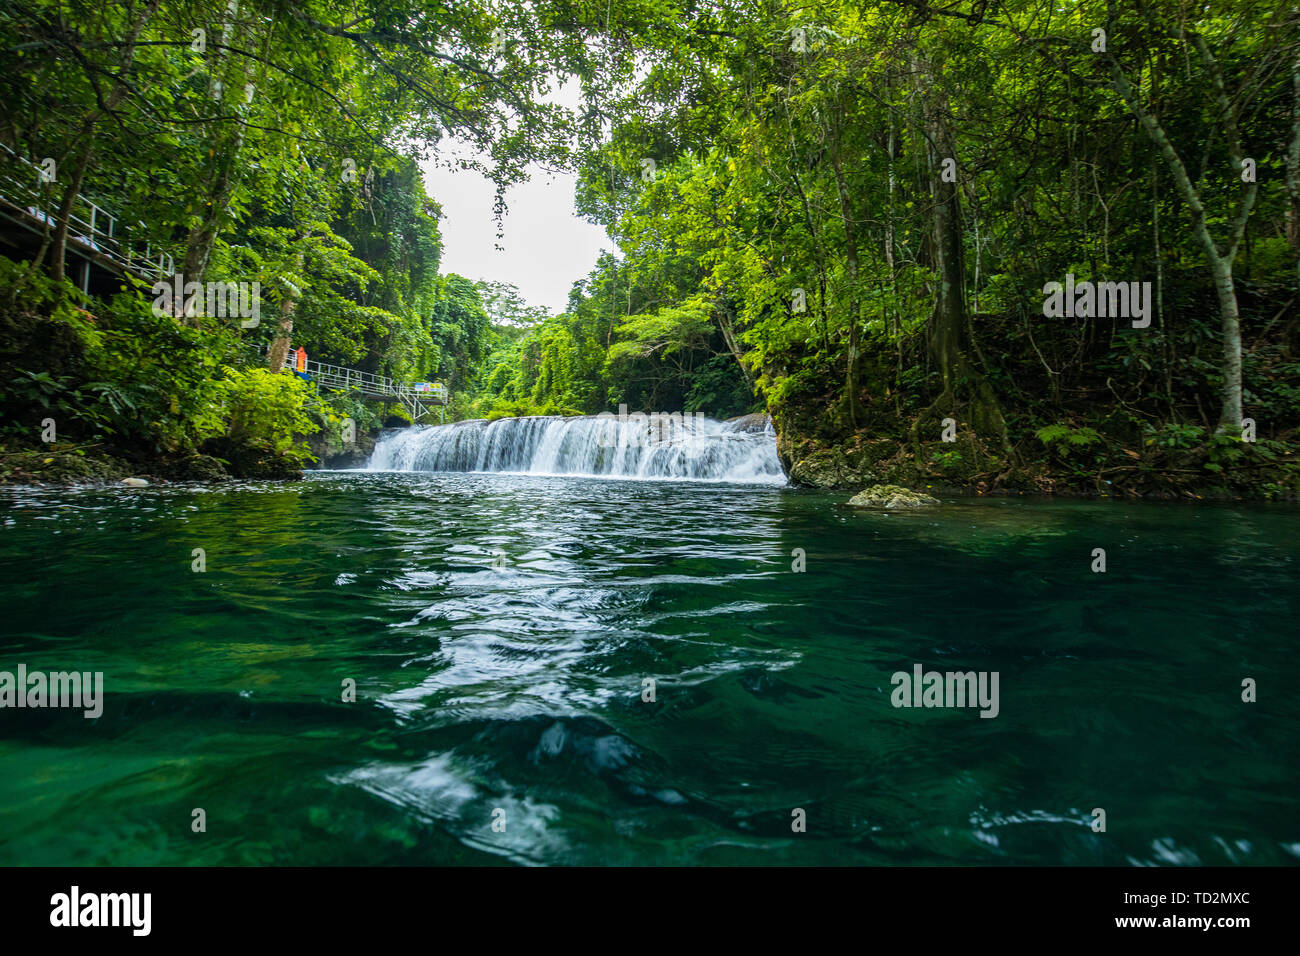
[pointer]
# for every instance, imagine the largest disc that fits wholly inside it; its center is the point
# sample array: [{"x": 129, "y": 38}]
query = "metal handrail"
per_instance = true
[
  {"x": 368, "y": 383},
  {"x": 86, "y": 225}
]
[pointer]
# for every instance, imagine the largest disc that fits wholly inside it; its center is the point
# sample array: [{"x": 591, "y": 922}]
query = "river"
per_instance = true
[{"x": 501, "y": 628}]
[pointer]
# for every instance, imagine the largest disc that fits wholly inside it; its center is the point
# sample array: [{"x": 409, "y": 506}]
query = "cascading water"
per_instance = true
[{"x": 635, "y": 446}]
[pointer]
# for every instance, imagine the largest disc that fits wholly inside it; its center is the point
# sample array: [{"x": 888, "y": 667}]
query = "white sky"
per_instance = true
[{"x": 547, "y": 247}]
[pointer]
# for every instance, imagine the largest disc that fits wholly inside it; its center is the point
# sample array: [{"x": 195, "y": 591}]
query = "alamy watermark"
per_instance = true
[
  {"x": 75, "y": 908},
  {"x": 218, "y": 300},
  {"x": 1121, "y": 300},
  {"x": 37, "y": 689},
  {"x": 654, "y": 428},
  {"x": 951, "y": 689}
]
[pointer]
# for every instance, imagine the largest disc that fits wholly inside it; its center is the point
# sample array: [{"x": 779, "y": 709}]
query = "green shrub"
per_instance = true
[{"x": 262, "y": 409}]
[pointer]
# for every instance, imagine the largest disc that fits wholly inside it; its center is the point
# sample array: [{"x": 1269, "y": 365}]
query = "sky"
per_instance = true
[{"x": 547, "y": 247}]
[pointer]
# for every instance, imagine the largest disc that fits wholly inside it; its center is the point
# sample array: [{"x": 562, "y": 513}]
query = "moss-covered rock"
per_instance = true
[
  {"x": 254, "y": 460},
  {"x": 59, "y": 468},
  {"x": 850, "y": 467},
  {"x": 334, "y": 454},
  {"x": 199, "y": 468},
  {"x": 891, "y": 496},
  {"x": 827, "y": 468}
]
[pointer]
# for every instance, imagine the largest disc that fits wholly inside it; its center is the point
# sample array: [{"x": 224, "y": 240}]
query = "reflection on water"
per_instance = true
[{"x": 501, "y": 631}]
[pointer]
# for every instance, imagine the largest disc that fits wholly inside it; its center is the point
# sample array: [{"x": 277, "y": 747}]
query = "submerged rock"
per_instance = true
[{"x": 891, "y": 496}]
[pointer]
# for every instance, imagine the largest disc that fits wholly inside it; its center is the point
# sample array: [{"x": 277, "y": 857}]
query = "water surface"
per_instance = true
[{"x": 499, "y": 629}]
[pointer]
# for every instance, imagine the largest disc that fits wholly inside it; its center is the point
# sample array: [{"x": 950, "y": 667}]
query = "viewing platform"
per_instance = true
[{"x": 99, "y": 249}]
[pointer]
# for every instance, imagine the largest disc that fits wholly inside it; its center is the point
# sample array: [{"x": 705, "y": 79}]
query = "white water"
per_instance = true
[{"x": 687, "y": 447}]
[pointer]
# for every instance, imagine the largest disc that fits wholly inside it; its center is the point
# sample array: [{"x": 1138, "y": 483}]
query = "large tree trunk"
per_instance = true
[{"x": 947, "y": 332}]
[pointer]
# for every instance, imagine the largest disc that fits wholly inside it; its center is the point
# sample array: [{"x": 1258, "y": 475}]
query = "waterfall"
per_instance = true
[{"x": 628, "y": 446}]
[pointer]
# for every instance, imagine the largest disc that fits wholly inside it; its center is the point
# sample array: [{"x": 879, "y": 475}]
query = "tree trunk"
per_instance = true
[
  {"x": 852, "y": 406},
  {"x": 1220, "y": 264},
  {"x": 1230, "y": 416},
  {"x": 62, "y": 219},
  {"x": 58, "y": 246},
  {"x": 948, "y": 319},
  {"x": 733, "y": 344},
  {"x": 279, "y": 350},
  {"x": 818, "y": 250},
  {"x": 1293, "y": 162},
  {"x": 198, "y": 247},
  {"x": 1293, "y": 170},
  {"x": 947, "y": 333},
  {"x": 220, "y": 186}
]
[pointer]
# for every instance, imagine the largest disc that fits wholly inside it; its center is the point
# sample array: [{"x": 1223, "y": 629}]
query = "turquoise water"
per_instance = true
[{"x": 499, "y": 629}]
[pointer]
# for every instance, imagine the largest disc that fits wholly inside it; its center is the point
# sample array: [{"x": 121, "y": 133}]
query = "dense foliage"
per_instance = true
[
  {"x": 869, "y": 202},
  {"x": 852, "y": 215},
  {"x": 255, "y": 142}
]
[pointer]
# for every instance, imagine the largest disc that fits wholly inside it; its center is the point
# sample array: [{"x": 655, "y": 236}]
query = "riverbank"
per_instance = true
[
  {"x": 1057, "y": 461},
  {"x": 57, "y": 466},
  {"x": 958, "y": 469},
  {"x": 71, "y": 468}
]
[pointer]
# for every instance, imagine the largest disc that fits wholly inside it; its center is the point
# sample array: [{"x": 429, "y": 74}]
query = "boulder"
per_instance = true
[
  {"x": 891, "y": 497},
  {"x": 199, "y": 468},
  {"x": 824, "y": 469},
  {"x": 59, "y": 468},
  {"x": 343, "y": 454},
  {"x": 756, "y": 423}
]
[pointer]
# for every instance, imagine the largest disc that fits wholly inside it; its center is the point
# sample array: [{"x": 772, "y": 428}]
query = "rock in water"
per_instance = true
[
  {"x": 824, "y": 469},
  {"x": 891, "y": 496},
  {"x": 135, "y": 482}
]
